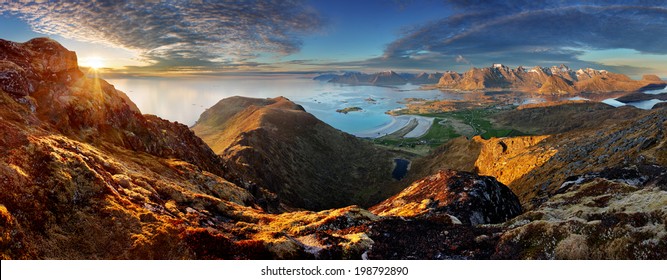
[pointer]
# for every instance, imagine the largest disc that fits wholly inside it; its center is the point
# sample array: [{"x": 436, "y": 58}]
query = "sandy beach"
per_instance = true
[{"x": 397, "y": 123}]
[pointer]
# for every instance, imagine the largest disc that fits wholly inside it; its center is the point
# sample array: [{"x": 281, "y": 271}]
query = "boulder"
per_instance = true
[{"x": 470, "y": 199}]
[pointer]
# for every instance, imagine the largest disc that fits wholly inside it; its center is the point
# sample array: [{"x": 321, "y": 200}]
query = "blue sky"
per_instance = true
[{"x": 184, "y": 37}]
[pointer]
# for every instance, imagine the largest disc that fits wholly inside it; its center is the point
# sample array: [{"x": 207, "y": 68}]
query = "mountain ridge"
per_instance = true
[{"x": 560, "y": 80}]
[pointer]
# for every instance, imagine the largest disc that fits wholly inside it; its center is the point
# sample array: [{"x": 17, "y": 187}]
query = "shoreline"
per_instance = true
[{"x": 397, "y": 123}]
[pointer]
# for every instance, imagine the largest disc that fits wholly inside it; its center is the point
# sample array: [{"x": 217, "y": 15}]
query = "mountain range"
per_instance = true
[
  {"x": 85, "y": 175},
  {"x": 386, "y": 78},
  {"x": 543, "y": 80}
]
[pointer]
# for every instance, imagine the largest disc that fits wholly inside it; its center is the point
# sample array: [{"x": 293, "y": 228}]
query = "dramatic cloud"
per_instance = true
[
  {"x": 177, "y": 33},
  {"x": 535, "y": 32}
]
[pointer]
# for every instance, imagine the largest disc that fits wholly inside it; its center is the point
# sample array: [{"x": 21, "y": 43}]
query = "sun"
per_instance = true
[{"x": 94, "y": 62}]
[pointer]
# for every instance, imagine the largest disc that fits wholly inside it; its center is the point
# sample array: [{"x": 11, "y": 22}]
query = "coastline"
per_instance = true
[{"x": 397, "y": 123}]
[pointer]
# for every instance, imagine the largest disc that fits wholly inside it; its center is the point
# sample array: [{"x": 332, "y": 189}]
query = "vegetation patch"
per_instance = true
[{"x": 349, "y": 109}]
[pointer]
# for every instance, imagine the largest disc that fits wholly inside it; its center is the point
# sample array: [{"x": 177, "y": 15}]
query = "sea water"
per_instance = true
[{"x": 184, "y": 99}]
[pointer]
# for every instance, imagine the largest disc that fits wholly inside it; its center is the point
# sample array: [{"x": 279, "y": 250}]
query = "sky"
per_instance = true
[{"x": 157, "y": 37}]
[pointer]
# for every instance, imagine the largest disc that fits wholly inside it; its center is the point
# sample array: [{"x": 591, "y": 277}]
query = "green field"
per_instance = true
[
  {"x": 438, "y": 134},
  {"x": 478, "y": 120}
]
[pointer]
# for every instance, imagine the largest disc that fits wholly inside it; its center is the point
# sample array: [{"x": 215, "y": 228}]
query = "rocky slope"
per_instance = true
[
  {"x": 293, "y": 158},
  {"x": 84, "y": 175},
  {"x": 575, "y": 138},
  {"x": 618, "y": 213},
  {"x": 553, "y": 80}
]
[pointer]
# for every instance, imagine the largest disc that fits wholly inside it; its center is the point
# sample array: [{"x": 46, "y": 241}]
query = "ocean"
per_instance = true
[{"x": 183, "y": 99}]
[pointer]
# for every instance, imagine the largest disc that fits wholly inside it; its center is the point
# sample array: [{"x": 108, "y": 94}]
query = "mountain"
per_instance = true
[
  {"x": 294, "y": 158},
  {"x": 554, "y": 80},
  {"x": 325, "y": 77},
  {"x": 386, "y": 78},
  {"x": 425, "y": 78},
  {"x": 544, "y": 80}
]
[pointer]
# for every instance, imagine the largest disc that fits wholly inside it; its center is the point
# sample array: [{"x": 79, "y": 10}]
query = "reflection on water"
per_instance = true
[{"x": 401, "y": 168}]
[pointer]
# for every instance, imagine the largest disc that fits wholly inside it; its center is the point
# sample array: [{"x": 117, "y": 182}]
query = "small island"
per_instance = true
[{"x": 349, "y": 109}]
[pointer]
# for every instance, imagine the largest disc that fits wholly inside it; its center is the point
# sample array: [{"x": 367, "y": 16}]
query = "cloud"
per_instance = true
[
  {"x": 177, "y": 32},
  {"x": 460, "y": 59},
  {"x": 535, "y": 32}
]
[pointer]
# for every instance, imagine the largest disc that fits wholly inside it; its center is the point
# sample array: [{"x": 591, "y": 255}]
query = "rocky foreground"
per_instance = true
[{"x": 84, "y": 175}]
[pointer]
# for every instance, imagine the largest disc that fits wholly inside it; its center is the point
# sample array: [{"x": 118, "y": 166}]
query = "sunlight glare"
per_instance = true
[{"x": 94, "y": 62}]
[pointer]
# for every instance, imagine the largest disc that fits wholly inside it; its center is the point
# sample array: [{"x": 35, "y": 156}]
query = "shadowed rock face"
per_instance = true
[
  {"x": 471, "y": 199},
  {"x": 431, "y": 239}
]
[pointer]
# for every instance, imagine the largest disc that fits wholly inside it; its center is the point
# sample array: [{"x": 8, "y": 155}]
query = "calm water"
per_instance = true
[{"x": 184, "y": 99}]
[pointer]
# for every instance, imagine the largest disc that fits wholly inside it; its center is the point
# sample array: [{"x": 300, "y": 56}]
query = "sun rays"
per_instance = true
[{"x": 95, "y": 63}]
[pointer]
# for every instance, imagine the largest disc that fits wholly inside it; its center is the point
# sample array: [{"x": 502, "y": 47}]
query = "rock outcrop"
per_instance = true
[{"x": 464, "y": 197}]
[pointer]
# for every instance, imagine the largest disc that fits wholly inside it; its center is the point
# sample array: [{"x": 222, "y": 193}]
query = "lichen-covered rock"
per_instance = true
[
  {"x": 618, "y": 213},
  {"x": 470, "y": 198},
  {"x": 12, "y": 79}
]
